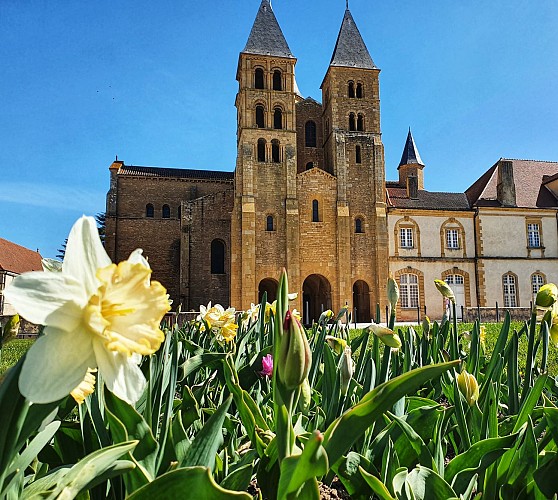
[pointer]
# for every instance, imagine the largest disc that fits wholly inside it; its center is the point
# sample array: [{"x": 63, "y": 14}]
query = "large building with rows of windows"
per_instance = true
[{"x": 308, "y": 193}]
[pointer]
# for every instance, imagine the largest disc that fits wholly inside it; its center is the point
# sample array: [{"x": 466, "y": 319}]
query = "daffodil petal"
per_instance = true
[
  {"x": 47, "y": 298},
  {"x": 55, "y": 365},
  {"x": 120, "y": 373},
  {"x": 85, "y": 254},
  {"x": 136, "y": 257}
]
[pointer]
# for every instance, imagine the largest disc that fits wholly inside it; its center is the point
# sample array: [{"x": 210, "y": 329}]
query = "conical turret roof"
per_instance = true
[
  {"x": 266, "y": 37},
  {"x": 410, "y": 155},
  {"x": 350, "y": 49}
]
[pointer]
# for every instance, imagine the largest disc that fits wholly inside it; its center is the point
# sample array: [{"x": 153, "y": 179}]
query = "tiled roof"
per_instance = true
[
  {"x": 350, "y": 49},
  {"x": 181, "y": 173},
  {"x": 410, "y": 154},
  {"x": 266, "y": 37},
  {"x": 426, "y": 200},
  {"x": 18, "y": 259},
  {"x": 528, "y": 176}
]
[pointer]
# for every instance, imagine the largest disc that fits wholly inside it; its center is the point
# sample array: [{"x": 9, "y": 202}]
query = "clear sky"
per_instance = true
[{"x": 154, "y": 83}]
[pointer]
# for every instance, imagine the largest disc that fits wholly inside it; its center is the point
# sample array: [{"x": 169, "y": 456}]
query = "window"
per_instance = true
[
  {"x": 269, "y": 223},
  {"x": 352, "y": 125},
  {"x": 179, "y": 211},
  {"x": 358, "y": 154},
  {"x": 309, "y": 165},
  {"x": 275, "y": 151},
  {"x": 277, "y": 80},
  {"x": 351, "y": 92},
  {"x": 166, "y": 212},
  {"x": 510, "y": 290},
  {"x": 360, "y": 122},
  {"x": 452, "y": 238},
  {"x": 217, "y": 257},
  {"x": 537, "y": 280},
  {"x": 454, "y": 279},
  {"x": 259, "y": 78},
  {"x": 359, "y": 91},
  {"x": 358, "y": 226},
  {"x": 406, "y": 237},
  {"x": 149, "y": 210},
  {"x": 277, "y": 118},
  {"x": 409, "y": 290},
  {"x": 533, "y": 235},
  {"x": 260, "y": 120},
  {"x": 315, "y": 211},
  {"x": 310, "y": 134},
  {"x": 261, "y": 149}
]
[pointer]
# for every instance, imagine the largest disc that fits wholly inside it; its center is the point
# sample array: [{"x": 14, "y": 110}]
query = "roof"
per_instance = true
[
  {"x": 18, "y": 259},
  {"x": 410, "y": 154},
  {"x": 529, "y": 178},
  {"x": 350, "y": 50},
  {"x": 426, "y": 200},
  {"x": 266, "y": 37},
  {"x": 181, "y": 173}
]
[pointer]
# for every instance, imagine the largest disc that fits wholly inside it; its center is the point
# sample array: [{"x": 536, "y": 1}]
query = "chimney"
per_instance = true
[
  {"x": 505, "y": 189},
  {"x": 412, "y": 187}
]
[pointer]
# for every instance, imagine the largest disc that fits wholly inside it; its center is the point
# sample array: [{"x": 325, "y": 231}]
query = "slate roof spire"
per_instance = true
[
  {"x": 410, "y": 155},
  {"x": 266, "y": 37},
  {"x": 350, "y": 49}
]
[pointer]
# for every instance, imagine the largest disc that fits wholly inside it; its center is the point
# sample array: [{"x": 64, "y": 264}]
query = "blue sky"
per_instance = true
[{"x": 154, "y": 83}]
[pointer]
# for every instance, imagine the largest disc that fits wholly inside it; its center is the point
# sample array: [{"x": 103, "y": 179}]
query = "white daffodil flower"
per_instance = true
[{"x": 96, "y": 315}]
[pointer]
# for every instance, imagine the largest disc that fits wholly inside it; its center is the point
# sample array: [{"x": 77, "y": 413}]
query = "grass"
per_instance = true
[{"x": 12, "y": 351}]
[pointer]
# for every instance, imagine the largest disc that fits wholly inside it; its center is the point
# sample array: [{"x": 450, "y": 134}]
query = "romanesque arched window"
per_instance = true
[
  {"x": 358, "y": 154},
  {"x": 315, "y": 211},
  {"x": 260, "y": 116},
  {"x": 269, "y": 223},
  {"x": 359, "y": 93},
  {"x": 217, "y": 257},
  {"x": 277, "y": 118},
  {"x": 351, "y": 92},
  {"x": 360, "y": 122},
  {"x": 179, "y": 211},
  {"x": 259, "y": 78},
  {"x": 309, "y": 165},
  {"x": 275, "y": 153},
  {"x": 149, "y": 210},
  {"x": 277, "y": 80},
  {"x": 352, "y": 125},
  {"x": 358, "y": 225},
  {"x": 166, "y": 212},
  {"x": 310, "y": 134},
  {"x": 261, "y": 149}
]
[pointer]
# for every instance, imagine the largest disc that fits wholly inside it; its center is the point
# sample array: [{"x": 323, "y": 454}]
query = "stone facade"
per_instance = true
[{"x": 309, "y": 193}]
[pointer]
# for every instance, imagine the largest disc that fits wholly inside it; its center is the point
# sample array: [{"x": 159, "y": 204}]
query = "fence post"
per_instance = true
[
  {"x": 418, "y": 314},
  {"x": 478, "y": 313},
  {"x": 462, "y": 314},
  {"x": 497, "y": 313},
  {"x": 378, "y": 317},
  {"x": 355, "y": 317},
  {"x": 387, "y": 315}
]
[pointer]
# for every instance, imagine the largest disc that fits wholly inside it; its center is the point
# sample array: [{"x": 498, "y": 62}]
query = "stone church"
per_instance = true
[{"x": 309, "y": 193}]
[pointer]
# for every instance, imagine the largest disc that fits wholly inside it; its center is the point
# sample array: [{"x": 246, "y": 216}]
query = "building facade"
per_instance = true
[{"x": 309, "y": 193}]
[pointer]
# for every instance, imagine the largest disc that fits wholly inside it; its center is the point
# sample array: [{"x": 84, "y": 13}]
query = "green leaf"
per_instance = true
[
  {"x": 189, "y": 481},
  {"x": 529, "y": 401},
  {"x": 424, "y": 484},
  {"x": 377, "y": 486},
  {"x": 239, "y": 479},
  {"x": 346, "y": 429},
  {"x": 203, "y": 449},
  {"x": 206, "y": 360},
  {"x": 348, "y": 471},
  {"x": 92, "y": 466},
  {"x": 297, "y": 469},
  {"x": 545, "y": 477}
]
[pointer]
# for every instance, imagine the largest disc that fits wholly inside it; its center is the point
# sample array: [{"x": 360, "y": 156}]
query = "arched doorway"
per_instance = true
[
  {"x": 268, "y": 285},
  {"x": 361, "y": 301},
  {"x": 316, "y": 297}
]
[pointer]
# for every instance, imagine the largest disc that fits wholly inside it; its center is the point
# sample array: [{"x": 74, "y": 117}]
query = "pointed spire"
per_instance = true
[
  {"x": 410, "y": 152},
  {"x": 350, "y": 49},
  {"x": 266, "y": 37}
]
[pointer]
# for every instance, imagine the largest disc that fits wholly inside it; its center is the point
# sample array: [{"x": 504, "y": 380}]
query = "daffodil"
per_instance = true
[
  {"x": 85, "y": 388},
  {"x": 445, "y": 290},
  {"x": 96, "y": 315},
  {"x": 221, "y": 321}
]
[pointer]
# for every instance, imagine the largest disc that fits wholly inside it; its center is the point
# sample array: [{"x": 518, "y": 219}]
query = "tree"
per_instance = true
[{"x": 100, "y": 219}]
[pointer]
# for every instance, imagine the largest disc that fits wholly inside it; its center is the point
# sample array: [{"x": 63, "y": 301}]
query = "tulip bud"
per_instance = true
[
  {"x": 10, "y": 330},
  {"x": 426, "y": 326},
  {"x": 346, "y": 369},
  {"x": 547, "y": 295},
  {"x": 554, "y": 333},
  {"x": 295, "y": 357},
  {"x": 386, "y": 335},
  {"x": 392, "y": 292},
  {"x": 445, "y": 290},
  {"x": 468, "y": 386},
  {"x": 305, "y": 398}
]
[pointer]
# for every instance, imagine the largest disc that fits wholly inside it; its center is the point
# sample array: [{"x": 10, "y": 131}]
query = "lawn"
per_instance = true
[{"x": 12, "y": 351}]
